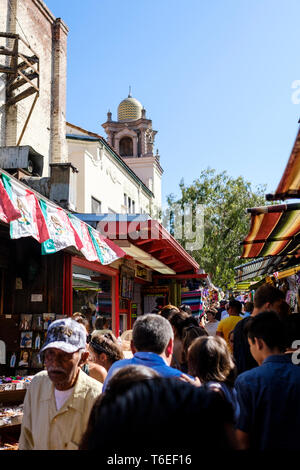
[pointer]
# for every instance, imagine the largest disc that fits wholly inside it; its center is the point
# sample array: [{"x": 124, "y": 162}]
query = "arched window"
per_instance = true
[{"x": 126, "y": 147}]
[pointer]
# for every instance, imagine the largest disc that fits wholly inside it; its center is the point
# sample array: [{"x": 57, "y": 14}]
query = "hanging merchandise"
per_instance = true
[
  {"x": 61, "y": 231},
  {"x": 8, "y": 212},
  {"x": 32, "y": 222}
]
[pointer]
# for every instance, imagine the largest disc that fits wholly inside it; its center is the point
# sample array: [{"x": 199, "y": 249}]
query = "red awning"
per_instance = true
[
  {"x": 289, "y": 186},
  {"x": 151, "y": 237}
]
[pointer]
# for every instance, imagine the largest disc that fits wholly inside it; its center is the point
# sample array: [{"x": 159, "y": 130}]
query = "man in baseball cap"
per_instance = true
[{"x": 59, "y": 400}]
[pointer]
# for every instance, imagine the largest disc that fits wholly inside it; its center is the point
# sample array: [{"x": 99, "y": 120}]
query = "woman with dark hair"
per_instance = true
[
  {"x": 150, "y": 413},
  {"x": 190, "y": 333},
  {"x": 168, "y": 310},
  {"x": 210, "y": 360}
]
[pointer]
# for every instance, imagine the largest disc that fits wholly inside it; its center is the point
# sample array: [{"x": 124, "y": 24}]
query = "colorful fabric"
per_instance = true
[
  {"x": 31, "y": 223},
  {"x": 88, "y": 249},
  {"x": 61, "y": 231},
  {"x": 8, "y": 212}
]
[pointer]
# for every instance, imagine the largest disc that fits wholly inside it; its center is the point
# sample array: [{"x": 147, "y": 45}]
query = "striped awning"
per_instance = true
[
  {"x": 289, "y": 186},
  {"x": 275, "y": 230},
  {"x": 258, "y": 267}
]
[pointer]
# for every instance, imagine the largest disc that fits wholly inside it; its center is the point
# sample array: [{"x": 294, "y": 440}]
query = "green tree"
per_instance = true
[{"x": 226, "y": 222}]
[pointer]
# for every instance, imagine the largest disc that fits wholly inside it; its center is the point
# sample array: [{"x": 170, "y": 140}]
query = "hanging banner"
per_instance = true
[
  {"x": 62, "y": 233},
  {"x": 88, "y": 249},
  {"x": 105, "y": 254},
  {"x": 8, "y": 212},
  {"x": 31, "y": 223}
]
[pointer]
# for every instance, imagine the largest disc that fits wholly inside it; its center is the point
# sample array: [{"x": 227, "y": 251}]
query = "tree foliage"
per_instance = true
[{"x": 226, "y": 222}]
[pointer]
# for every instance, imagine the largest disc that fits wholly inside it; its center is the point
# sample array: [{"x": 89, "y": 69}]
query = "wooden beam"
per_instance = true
[
  {"x": 27, "y": 119},
  {"x": 28, "y": 81},
  {"x": 4, "y": 51},
  {"x": 21, "y": 96},
  {"x": 19, "y": 83}
]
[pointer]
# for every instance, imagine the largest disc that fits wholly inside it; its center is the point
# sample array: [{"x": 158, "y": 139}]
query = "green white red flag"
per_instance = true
[
  {"x": 7, "y": 210},
  {"x": 61, "y": 232},
  {"x": 105, "y": 253},
  {"x": 88, "y": 249},
  {"x": 31, "y": 223}
]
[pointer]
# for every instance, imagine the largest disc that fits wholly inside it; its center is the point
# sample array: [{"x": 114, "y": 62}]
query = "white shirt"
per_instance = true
[
  {"x": 61, "y": 396},
  {"x": 211, "y": 328}
]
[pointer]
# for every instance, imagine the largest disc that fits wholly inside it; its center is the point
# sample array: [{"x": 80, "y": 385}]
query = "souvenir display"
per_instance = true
[
  {"x": 48, "y": 318},
  {"x": 26, "y": 339},
  {"x": 37, "y": 322},
  {"x": 25, "y": 323},
  {"x": 24, "y": 359}
]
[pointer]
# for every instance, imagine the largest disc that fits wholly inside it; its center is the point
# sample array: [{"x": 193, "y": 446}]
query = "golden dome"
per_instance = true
[{"x": 129, "y": 109}]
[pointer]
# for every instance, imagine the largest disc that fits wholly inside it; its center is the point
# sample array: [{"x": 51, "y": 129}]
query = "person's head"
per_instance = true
[
  {"x": 248, "y": 307},
  {"x": 211, "y": 314},
  {"x": 100, "y": 322},
  {"x": 64, "y": 352},
  {"x": 186, "y": 308},
  {"x": 268, "y": 298},
  {"x": 178, "y": 321},
  {"x": 25, "y": 356},
  {"x": 210, "y": 360},
  {"x": 190, "y": 333},
  {"x": 266, "y": 335},
  {"x": 168, "y": 310},
  {"x": 150, "y": 413},
  {"x": 123, "y": 378},
  {"x": 153, "y": 333},
  {"x": 234, "y": 307},
  {"x": 104, "y": 349}
]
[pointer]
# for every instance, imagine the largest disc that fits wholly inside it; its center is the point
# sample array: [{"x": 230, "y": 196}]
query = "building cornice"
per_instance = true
[{"x": 92, "y": 138}]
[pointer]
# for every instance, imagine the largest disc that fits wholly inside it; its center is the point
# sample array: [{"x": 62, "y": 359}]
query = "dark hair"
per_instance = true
[
  {"x": 267, "y": 293},
  {"x": 210, "y": 360},
  {"x": 249, "y": 306},
  {"x": 186, "y": 308},
  {"x": 168, "y": 310},
  {"x": 268, "y": 327},
  {"x": 190, "y": 333},
  {"x": 235, "y": 305},
  {"x": 107, "y": 344},
  {"x": 292, "y": 328},
  {"x": 151, "y": 412},
  {"x": 123, "y": 378},
  {"x": 100, "y": 322},
  {"x": 181, "y": 320}
]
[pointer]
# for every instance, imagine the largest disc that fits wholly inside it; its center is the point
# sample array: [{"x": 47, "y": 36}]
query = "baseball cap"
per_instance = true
[{"x": 67, "y": 335}]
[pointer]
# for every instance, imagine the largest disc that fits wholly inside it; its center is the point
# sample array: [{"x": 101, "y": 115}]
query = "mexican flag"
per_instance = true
[
  {"x": 105, "y": 254},
  {"x": 7, "y": 210},
  {"x": 31, "y": 222},
  {"x": 88, "y": 249},
  {"x": 61, "y": 231}
]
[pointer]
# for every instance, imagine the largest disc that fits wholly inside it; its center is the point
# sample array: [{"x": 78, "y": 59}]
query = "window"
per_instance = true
[
  {"x": 96, "y": 206},
  {"x": 126, "y": 147},
  {"x": 129, "y": 205},
  {"x": 125, "y": 199},
  {"x": 133, "y": 207}
]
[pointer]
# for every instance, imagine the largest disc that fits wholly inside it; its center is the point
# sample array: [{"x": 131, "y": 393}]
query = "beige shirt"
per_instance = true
[{"x": 45, "y": 428}]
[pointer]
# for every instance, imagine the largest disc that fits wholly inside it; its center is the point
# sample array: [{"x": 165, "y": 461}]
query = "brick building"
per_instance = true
[{"x": 47, "y": 37}]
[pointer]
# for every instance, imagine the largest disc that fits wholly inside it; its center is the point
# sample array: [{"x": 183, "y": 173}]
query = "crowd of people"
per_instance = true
[{"x": 234, "y": 373}]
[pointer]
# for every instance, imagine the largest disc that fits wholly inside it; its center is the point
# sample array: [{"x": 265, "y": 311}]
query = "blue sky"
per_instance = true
[{"x": 215, "y": 77}]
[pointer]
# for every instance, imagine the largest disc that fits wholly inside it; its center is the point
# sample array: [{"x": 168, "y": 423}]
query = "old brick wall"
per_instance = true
[{"x": 48, "y": 38}]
